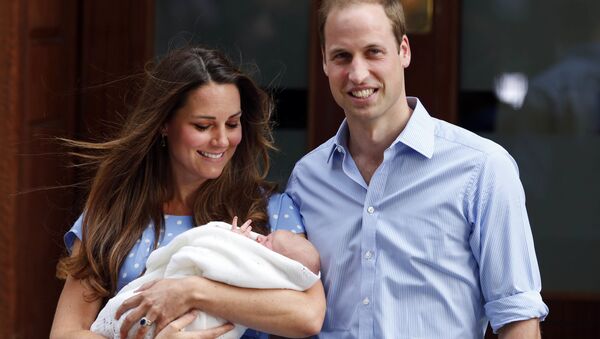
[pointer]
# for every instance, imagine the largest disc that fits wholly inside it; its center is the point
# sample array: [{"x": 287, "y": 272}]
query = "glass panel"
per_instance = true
[
  {"x": 271, "y": 33},
  {"x": 418, "y": 15},
  {"x": 268, "y": 38},
  {"x": 530, "y": 79}
]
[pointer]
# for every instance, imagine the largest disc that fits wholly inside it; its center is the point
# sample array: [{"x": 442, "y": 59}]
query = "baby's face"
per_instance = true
[{"x": 278, "y": 240}]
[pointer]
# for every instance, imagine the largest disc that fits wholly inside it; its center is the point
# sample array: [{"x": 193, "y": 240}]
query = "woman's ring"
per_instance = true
[{"x": 146, "y": 322}]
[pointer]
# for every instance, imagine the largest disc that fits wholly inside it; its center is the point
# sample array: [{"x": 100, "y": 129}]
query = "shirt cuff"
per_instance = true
[{"x": 521, "y": 306}]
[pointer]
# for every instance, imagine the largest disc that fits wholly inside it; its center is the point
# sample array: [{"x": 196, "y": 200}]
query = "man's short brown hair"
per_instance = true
[{"x": 393, "y": 9}]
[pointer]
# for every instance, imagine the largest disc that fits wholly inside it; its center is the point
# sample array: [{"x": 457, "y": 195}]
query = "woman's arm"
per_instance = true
[
  {"x": 74, "y": 315},
  {"x": 279, "y": 311},
  {"x": 174, "y": 330}
]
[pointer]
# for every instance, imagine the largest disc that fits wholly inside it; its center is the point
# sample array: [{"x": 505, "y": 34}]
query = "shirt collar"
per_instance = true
[
  {"x": 340, "y": 140},
  {"x": 418, "y": 133}
]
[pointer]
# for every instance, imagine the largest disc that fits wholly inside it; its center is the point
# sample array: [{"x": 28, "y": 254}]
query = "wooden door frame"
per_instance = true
[{"x": 10, "y": 107}]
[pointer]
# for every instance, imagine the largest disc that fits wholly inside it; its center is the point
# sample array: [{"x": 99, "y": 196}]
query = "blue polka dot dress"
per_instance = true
[{"x": 283, "y": 215}]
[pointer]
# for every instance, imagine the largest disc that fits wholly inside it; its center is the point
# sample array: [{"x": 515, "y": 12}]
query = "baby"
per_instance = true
[
  {"x": 286, "y": 243},
  {"x": 281, "y": 259}
]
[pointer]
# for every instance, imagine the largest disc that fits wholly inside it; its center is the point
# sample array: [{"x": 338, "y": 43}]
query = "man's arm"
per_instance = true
[
  {"x": 525, "y": 329},
  {"x": 502, "y": 244}
]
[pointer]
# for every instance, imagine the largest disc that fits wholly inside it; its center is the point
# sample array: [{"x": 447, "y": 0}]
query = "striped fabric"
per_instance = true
[{"x": 437, "y": 244}]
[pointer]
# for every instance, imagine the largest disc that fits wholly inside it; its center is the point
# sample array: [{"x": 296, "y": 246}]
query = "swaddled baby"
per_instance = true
[{"x": 241, "y": 258}]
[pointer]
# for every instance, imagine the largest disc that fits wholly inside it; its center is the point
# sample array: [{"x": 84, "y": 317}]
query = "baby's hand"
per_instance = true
[{"x": 244, "y": 229}]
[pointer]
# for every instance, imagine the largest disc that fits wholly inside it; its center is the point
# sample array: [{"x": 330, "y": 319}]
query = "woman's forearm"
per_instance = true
[{"x": 278, "y": 311}]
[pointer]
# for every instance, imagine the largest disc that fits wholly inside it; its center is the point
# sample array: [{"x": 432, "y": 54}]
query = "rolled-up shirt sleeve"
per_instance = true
[{"x": 502, "y": 243}]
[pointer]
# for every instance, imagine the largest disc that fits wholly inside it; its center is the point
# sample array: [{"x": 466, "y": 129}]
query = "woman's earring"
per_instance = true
[{"x": 163, "y": 143}]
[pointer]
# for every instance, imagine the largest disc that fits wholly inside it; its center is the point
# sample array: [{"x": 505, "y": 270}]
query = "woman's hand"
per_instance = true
[
  {"x": 160, "y": 301},
  {"x": 174, "y": 329}
]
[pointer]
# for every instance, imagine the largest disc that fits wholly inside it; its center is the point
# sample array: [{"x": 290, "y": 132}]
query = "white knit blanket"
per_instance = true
[{"x": 214, "y": 252}]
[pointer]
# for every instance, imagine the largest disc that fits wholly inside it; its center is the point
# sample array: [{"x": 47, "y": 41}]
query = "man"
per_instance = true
[{"x": 421, "y": 225}]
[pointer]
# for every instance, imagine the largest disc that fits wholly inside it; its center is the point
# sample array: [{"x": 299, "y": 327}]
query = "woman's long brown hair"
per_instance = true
[{"x": 132, "y": 181}]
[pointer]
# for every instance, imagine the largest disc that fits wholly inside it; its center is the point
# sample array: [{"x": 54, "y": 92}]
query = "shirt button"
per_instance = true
[
  {"x": 368, "y": 255},
  {"x": 371, "y": 209},
  {"x": 366, "y": 301},
  {"x": 340, "y": 149}
]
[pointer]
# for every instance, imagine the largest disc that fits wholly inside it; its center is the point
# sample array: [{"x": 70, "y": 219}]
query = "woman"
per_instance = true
[{"x": 193, "y": 150}]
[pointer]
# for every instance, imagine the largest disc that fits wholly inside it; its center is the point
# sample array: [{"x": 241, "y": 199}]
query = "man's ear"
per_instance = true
[
  {"x": 404, "y": 51},
  {"x": 324, "y": 62}
]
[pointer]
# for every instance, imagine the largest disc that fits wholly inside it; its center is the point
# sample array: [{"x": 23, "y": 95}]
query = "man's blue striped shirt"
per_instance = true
[{"x": 437, "y": 243}]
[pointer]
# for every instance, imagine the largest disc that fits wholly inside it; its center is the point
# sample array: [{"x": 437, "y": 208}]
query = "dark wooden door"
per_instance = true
[
  {"x": 51, "y": 53},
  {"x": 38, "y": 76}
]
